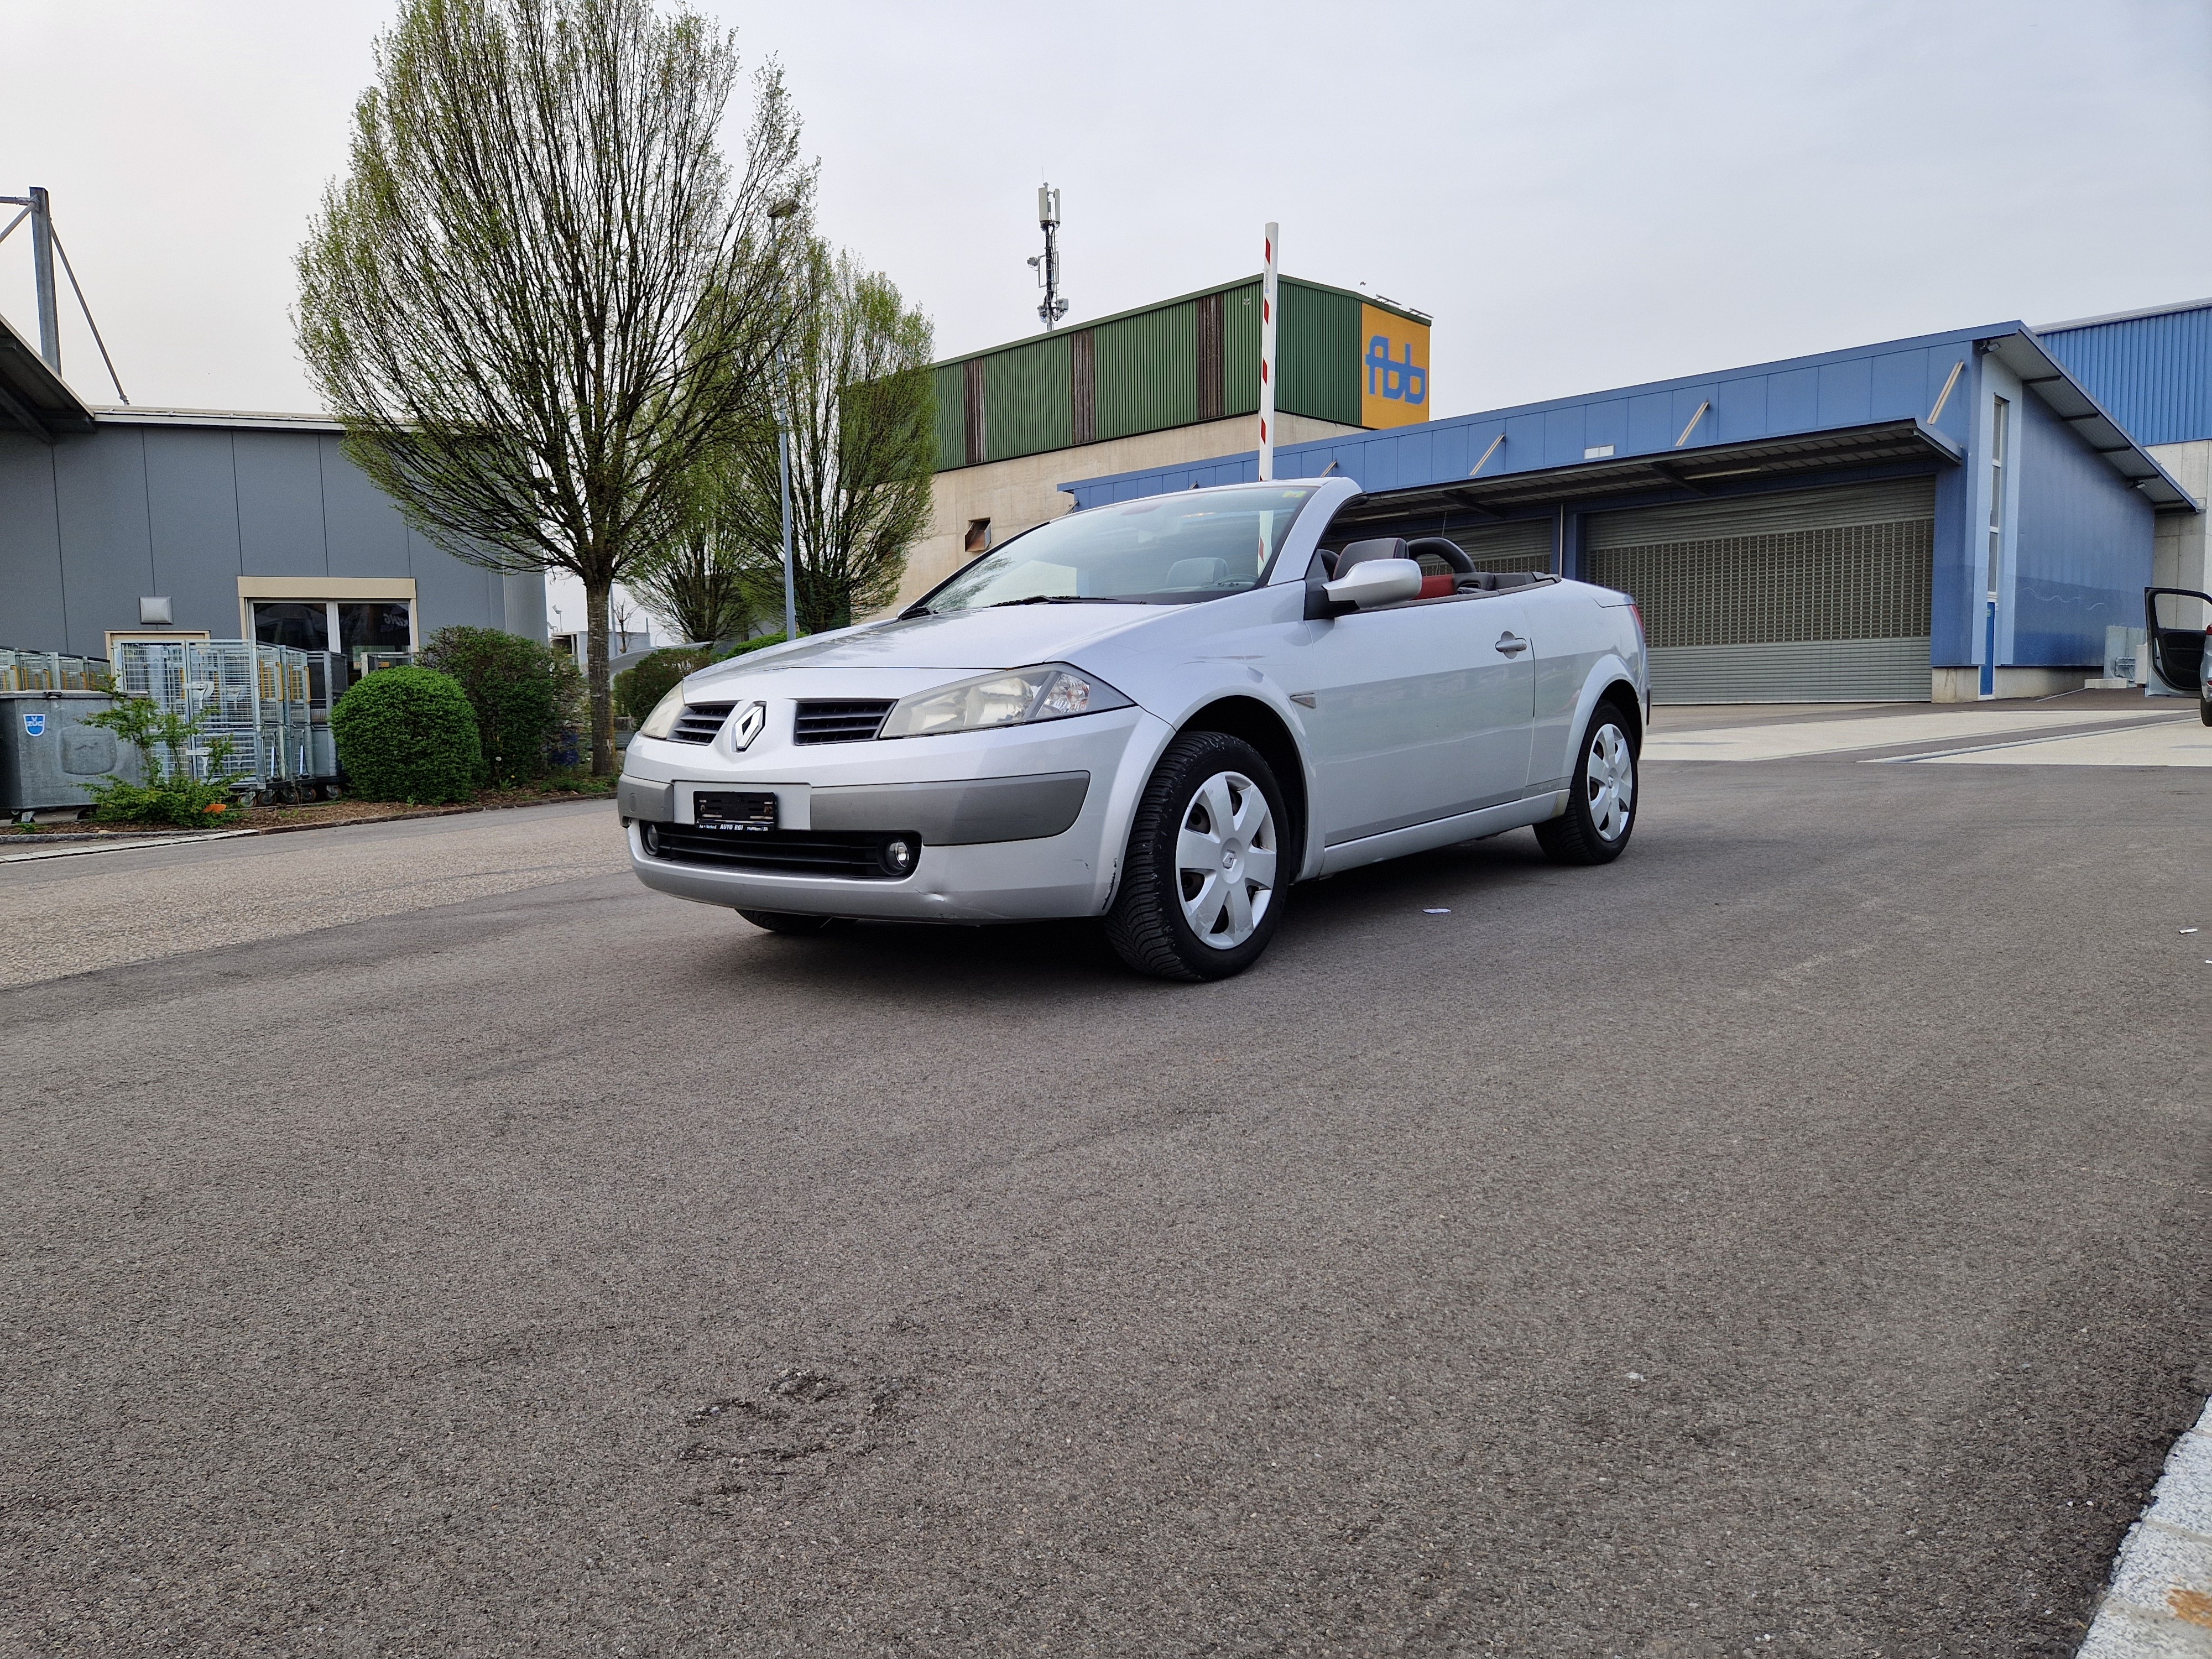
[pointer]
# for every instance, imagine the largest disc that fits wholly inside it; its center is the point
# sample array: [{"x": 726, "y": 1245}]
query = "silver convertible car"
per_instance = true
[{"x": 1162, "y": 713}]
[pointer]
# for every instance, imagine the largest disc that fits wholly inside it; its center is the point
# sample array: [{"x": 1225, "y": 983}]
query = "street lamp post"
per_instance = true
[
  {"x": 783, "y": 489},
  {"x": 782, "y": 213}
]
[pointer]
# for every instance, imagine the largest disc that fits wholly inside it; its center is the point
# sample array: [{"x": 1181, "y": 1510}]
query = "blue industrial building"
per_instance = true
[{"x": 1957, "y": 515}]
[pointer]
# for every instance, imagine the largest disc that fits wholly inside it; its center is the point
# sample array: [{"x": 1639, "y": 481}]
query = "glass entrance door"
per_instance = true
[{"x": 354, "y": 626}]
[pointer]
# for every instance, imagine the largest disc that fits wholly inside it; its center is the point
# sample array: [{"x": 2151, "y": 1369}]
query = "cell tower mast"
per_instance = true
[{"x": 1047, "y": 264}]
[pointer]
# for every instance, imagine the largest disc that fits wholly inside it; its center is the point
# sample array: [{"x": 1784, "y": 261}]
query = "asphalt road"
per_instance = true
[{"x": 1792, "y": 1239}]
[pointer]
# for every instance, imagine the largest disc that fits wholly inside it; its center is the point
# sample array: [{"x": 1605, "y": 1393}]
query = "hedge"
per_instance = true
[
  {"x": 638, "y": 689},
  {"x": 408, "y": 734},
  {"x": 521, "y": 692}
]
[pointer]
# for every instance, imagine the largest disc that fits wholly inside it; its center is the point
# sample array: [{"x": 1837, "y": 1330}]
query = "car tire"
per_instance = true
[
  {"x": 1173, "y": 919},
  {"x": 1602, "y": 800},
  {"x": 788, "y": 921}
]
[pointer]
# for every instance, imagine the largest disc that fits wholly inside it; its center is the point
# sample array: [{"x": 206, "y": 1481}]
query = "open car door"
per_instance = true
[{"x": 2177, "y": 623}]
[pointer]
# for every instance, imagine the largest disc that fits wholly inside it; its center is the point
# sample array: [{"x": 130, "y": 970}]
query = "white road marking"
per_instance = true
[{"x": 2161, "y": 742}]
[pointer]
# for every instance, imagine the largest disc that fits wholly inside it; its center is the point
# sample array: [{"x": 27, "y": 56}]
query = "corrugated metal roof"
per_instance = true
[
  {"x": 1674, "y": 420},
  {"x": 2152, "y": 369}
]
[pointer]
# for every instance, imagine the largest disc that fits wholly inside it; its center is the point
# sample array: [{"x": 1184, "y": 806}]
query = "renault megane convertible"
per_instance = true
[{"x": 1162, "y": 714}]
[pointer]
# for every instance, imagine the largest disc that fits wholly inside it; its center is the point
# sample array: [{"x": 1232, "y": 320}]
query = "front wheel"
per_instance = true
[
  {"x": 1602, "y": 801},
  {"x": 1202, "y": 885}
]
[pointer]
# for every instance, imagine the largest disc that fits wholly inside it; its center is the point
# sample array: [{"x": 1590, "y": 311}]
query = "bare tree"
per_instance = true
[
  {"x": 540, "y": 295},
  {"x": 855, "y": 390},
  {"x": 699, "y": 588}
]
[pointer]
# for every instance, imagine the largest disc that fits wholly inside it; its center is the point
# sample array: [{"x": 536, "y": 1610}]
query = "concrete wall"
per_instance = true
[
  {"x": 92, "y": 523},
  {"x": 1020, "y": 493},
  {"x": 2181, "y": 556}
]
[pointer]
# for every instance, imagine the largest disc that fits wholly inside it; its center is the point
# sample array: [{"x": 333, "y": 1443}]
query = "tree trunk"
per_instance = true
[{"x": 595, "y": 675}]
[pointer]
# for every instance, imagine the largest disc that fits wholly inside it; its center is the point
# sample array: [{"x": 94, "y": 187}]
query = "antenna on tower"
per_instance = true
[{"x": 1047, "y": 263}]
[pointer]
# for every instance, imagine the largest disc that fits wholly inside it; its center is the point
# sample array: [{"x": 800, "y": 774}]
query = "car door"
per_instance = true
[
  {"x": 1418, "y": 711},
  {"x": 1565, "y": 641}
]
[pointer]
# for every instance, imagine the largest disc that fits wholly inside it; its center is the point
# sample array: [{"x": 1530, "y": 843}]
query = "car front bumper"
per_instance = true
[{"x": 1016, "y": 824}]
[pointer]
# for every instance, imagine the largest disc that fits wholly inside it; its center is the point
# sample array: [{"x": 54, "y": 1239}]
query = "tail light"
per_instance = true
[{"x": 1637, "y": 611}]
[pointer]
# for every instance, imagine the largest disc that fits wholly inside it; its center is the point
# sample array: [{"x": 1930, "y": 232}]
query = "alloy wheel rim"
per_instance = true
[
  {"x": 1226, "y": 859},
  {"x": 1611, "y": 780}
]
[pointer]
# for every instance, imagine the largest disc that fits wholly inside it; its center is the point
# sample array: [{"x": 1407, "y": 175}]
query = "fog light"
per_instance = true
[
  {"x": 899, "y": 855},
  {"x": 652, "y": 838}
]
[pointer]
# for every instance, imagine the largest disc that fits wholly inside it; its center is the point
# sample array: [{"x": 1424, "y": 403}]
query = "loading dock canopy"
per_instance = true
[
  {"x": 1689, "y": 472},
  {"x": 33, "y": 397},
  {"x": 2024, "y": 355}
]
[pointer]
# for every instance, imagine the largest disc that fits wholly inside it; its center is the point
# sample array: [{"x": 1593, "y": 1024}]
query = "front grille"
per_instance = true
[
  {"x": 789, "y": 851},
  {"x": 854, "y": 721},
  {"x": 700, "y": 721}
]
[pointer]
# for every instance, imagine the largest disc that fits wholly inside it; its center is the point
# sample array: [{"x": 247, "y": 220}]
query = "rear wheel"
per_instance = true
[
  {"x": 1602, "y": 800},
  {"x": 1202, "y": 885},
  {"x": 788, "y": 921}
]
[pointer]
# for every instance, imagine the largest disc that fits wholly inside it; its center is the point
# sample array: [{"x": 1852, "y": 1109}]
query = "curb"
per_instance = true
[
  {"x": 31, "y": 847},
  {"x": 2158, "y": 1604}
]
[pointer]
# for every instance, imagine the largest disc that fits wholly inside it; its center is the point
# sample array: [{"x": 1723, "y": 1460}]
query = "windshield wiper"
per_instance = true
[
  {"x": 1056, "y": 599},
  {"x": 917, "y": 608}
]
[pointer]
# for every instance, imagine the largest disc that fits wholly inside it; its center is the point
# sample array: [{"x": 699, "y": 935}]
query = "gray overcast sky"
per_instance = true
[{"x": 1584, "y": 195}]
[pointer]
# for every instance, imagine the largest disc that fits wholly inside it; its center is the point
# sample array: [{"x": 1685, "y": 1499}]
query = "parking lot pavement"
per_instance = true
[
  {"x": 1791, "y": 1239},
  {"x": 1770, "y": 733},
  {"x": 77, "y": 907}
]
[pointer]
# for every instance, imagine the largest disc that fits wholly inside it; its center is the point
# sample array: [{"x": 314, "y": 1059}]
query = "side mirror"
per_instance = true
[{"x": 1374, "y": 582}]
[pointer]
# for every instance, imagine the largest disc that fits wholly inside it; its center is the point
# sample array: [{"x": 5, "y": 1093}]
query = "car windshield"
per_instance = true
[{"x": 1170, "y": 549}]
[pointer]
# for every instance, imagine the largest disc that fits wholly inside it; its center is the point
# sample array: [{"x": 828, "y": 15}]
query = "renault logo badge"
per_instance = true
[{"x": 747, "y": 726}]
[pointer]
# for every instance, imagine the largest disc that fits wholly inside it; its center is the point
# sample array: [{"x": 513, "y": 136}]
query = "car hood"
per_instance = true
[{"x": 1011, "y": 637}]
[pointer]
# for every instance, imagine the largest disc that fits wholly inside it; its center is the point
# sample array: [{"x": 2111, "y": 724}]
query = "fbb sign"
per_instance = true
[{"x": 1393, "y": 370}]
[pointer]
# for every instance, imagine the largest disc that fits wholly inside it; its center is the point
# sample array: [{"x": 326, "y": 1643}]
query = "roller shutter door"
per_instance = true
[
  {"x": 1522, "y": 545},
  {"x": 1811, "y": 596}
]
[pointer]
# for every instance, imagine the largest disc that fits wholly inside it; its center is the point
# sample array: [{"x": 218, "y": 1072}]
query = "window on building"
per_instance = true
[
  {"x": 349, "y": 625},
  {"x": 979, "y": 535},
  {"x": 1999, "y": 419},
  {"x": 304, "y": 626}
]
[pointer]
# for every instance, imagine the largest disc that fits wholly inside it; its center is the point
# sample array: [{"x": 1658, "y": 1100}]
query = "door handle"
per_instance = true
[{"x": 1510, "y": 643}]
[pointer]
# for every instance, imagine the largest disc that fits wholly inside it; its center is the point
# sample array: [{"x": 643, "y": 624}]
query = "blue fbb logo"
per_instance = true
[
  {"x": 34, "y": 725},
  {"x": 1399, "y": 380}
]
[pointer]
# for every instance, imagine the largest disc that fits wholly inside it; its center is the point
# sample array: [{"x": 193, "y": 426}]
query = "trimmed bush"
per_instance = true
[
  {"x": 408, "y": 734},
  {"x": 638, "y": 689},
  {"x": 742, "y": 646},
  {"x": 521, "y": 692}
]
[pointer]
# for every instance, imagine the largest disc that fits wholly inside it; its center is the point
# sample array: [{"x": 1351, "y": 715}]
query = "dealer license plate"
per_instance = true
[{"x": 721, "y": 809}]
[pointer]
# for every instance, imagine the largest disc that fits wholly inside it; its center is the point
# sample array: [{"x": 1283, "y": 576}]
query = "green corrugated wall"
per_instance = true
[
  {"x": 1025, "y": 399},
  {"x": 1318, "y": 347},
  {"x": 951, "y": 414},
  {"x": 1148, "y": 371},
  {"x": 1240, "y": 350}
]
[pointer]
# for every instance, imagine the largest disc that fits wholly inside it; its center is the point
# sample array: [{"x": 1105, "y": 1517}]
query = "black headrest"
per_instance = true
[
  {"x": 1453, "y": 555},
  {"x": 1379, "y": 547}
]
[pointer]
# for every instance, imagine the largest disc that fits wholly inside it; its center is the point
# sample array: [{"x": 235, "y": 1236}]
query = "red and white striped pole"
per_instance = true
[{"x": 1268, "y": 361}]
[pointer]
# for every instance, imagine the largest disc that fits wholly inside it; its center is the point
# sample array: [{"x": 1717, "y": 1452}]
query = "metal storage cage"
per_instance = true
[
  {"x": 261, "y": 697},
  {"x": 51, "y": 671}
]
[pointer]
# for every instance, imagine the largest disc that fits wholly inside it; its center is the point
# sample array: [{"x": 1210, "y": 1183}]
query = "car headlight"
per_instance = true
[
  {"x": 1014, "y": 697},
  {"x": 662, "y": 720}
]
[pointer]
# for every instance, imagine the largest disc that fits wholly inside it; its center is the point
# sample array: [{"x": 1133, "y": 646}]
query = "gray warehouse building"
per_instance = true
[{"x": 236, "y": 525}]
